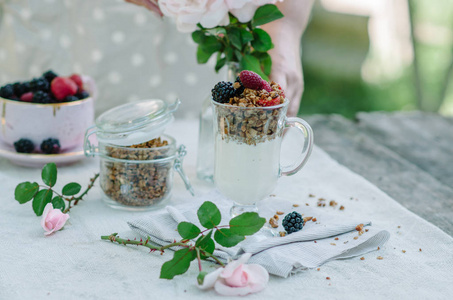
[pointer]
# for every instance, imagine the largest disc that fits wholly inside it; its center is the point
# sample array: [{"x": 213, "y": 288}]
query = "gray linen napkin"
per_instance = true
[{"x": 311, "y": 247}]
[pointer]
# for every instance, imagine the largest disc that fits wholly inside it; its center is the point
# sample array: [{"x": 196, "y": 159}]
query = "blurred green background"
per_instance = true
[{"x": 344, "y": 73}]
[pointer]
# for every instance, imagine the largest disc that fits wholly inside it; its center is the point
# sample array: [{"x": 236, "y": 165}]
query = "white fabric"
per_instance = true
[
  {"x": 76, "y": 264},
  {"x": 281, "y": 256}
]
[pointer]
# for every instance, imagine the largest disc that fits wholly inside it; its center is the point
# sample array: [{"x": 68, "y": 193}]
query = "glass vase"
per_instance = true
[{"x": 205, "y": 154}]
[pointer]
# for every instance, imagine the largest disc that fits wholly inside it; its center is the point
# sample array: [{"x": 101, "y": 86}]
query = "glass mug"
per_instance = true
[{"x": 247, "y": 151}]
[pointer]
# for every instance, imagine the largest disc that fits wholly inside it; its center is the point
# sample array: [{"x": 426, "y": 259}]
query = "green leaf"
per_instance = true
[
  {"x": 179, "y": 264},
  {"x": 71, "y": 189},
  {"x": 198, "y": 36},
  {"x": 205, "y": 243},
  {"x": 262, "y": 40},
  {"x": 188, "y": 230},
  {"x": 58, "y": 202},
  {"x": 265, "y": 61},
  {"x": 246, "y": 224},
  {"x": 211, "y": 44},
  {"x": 250, "y": 62},
  {"x": 209, "y": 215},
  {"x": 220, "y": 63},
  {"x": 265, "y": 14},
  {"x": 234, "y": 35},
  {"x": 246, "y": 36},
  {"x": 25, "y": 191},
  {"x": 202, "y": 56},
  {"x": 229, "y": 53},
  {"x": 49, "y": 174},
  {"x": 226, "y": 238},
  {"x": 40, "y": 201}
]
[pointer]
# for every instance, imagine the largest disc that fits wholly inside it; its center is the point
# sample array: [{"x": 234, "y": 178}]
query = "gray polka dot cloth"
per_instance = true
[{"x": 130, "y": 52}]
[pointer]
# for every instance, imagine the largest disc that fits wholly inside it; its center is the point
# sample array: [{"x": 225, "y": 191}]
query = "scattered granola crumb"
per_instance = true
[
  {"x": 311, "y": 195},
  {"x": 378, "y": 248},
  {"x": 276, "y": 217},
  {"x": 295, "y": 205},
  {"x": 399, "y": 226},
  {"x": 273, "y": 223},
  {"x": 404, "y": 251},
  {"x": 359, "y": 227},
  {"x": 361, "y": 232},
  {"x": 380, "y": 258},
  {"x": 280, "y": 212},
  {"x": 321, "y": 199},
  {"x": 362, "y": 258},
  {"x": 333, "y": 203},
  {"x": 328, "y": 278},
  {"x": 336, "y": 239},
  {"x": 307, "y": 204},
  {"x": 315, "y": 242},
  {"x": 366, "y": 230},
  {"x": 314, "y": 219},
  {"x": 306, "y": 219},
  {"x": 356, "y": 237},
  {"x": 342, "y": 207},
  {"x": 420, "y": 249},
  {"x": 282, "y": 233},
  {"x": 333, "y": 244},
  {"x": 318, "y": 269},
  {"x": 272, "y": 195}
]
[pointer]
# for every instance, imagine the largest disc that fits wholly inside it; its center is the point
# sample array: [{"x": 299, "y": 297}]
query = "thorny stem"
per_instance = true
[
  {"x": 77, "y": 199},
  {"x": 199, "y": 259},
  {"x": 146, "y": 243}
]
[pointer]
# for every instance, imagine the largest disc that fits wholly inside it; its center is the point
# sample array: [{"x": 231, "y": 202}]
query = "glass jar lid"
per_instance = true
[{"x": 136, "y": 122}]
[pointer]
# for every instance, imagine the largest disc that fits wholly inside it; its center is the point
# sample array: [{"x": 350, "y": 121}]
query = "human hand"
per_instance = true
[
  {"x": 287, "y": 70},
  {"x": 286, "y": 35},
  {"x": 149, "y": 4}
]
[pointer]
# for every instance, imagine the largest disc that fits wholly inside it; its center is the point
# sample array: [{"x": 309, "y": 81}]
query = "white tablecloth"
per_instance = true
[{"x": 75, "y": 263}]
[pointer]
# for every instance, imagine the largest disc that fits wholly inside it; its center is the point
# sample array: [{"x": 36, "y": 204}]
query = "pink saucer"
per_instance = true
[{"x": 38, "y": 160}]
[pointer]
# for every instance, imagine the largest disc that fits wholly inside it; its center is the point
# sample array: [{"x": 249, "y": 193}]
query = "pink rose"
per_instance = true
[
  {"x": 52, "y": 219},
  {"x": 237, "y": 278},
  {"x": 244, "y": 10},
  {"x": 188, "y": 13}
]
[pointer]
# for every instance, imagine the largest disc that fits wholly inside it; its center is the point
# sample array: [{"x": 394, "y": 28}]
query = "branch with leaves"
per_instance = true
[
  {"x": 244, "y": 43},
  {"x": 198, "y": 244},
  {"x": 44, "y": 194}
]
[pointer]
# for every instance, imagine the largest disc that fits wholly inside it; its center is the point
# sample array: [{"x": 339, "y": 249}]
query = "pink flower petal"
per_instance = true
[
  {"x": 223, "y": 289},
  {"x": 229, "y": 269},
  {"x": 61, "y": 221},
  {"x": 258, "y": 277},
  {"x": 239, "y": 278},
  {"x": 46, "y": 211}
]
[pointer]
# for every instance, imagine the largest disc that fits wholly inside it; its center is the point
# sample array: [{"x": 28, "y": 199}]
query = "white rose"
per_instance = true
[
  {"x": 188, "y": 13},
  {"x": 244, "y": 10}
]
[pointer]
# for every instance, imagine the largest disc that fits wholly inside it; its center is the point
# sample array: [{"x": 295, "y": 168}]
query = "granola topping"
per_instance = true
[{"x": 136, "y": 184}]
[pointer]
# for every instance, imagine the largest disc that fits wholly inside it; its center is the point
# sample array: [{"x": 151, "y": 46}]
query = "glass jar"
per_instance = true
[
  {"x": 134, "y": 175},
  {"x": 205, "y": 153}
]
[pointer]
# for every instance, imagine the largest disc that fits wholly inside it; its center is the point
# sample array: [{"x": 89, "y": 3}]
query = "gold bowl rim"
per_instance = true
[{"x": 72, "y": 103}]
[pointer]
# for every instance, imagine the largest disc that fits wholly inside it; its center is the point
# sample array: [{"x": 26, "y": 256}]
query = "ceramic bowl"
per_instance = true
[{"x": 66, "y": 121}]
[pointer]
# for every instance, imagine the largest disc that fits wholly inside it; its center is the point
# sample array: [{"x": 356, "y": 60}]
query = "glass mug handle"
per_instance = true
[{"x": 307, "y": 134}]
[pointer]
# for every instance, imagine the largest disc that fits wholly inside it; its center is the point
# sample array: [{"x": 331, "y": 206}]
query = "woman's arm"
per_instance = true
[{"x": 286, "y": 34}]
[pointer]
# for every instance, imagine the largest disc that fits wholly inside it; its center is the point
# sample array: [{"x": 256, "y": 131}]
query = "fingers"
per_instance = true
[{"x": 147, "y": 4}]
